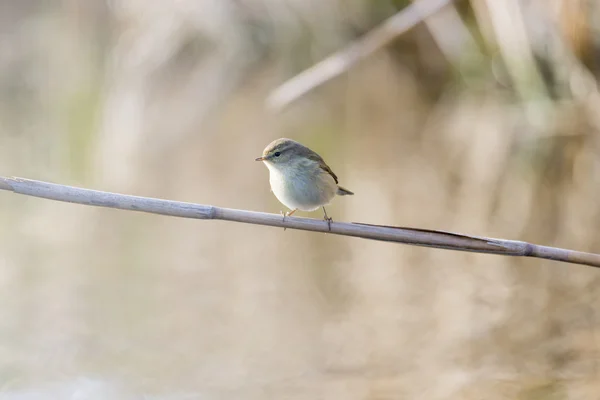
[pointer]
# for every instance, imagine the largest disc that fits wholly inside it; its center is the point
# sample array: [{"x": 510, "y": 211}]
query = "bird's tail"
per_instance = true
[{"x": 343, "y": 192}]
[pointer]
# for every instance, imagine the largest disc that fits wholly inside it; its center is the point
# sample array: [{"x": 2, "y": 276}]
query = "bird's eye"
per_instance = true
[{"x": 277, "y": 154}]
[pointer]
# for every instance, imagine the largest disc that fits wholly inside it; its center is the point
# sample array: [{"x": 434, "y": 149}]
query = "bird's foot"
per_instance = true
[
  {"x": 283, "y": 215},
  {"x": 287, "y": 214},
  {"x": 329, "y": 221},
  {"x": 326, "y": 218}
]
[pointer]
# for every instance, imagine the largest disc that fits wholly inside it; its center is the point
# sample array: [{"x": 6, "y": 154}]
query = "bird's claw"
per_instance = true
[
  {"x": 329, "y": 221},
  {"x": 283, "y": 219}
]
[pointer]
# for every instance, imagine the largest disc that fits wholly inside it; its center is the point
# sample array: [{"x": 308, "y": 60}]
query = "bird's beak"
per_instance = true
[{"x": 259, "y": 159}]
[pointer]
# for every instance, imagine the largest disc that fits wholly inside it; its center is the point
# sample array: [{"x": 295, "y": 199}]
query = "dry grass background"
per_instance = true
[{"x": 483, "y": 121}]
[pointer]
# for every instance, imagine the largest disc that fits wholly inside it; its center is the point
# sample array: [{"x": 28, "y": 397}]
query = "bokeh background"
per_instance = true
[{"x": 483, "y": 119}]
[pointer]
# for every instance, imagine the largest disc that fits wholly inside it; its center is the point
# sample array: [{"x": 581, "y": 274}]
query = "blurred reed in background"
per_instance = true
[{"x": 484, "y": 119}]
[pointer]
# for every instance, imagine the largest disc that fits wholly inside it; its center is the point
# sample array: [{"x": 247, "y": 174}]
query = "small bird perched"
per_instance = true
[{"x": 299, "y": 177}]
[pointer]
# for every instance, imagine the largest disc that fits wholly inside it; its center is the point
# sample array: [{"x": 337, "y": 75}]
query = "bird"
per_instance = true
[{"x": 300, "y": 178}]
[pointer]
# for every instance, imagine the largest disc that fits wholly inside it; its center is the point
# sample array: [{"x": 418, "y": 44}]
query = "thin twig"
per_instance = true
[
  {"x": 419, "y": 237},
  {"x": 341, "y": 61}
]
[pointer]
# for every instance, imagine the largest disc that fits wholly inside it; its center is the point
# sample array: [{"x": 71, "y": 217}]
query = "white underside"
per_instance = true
[{"x": 305, "y": 192}]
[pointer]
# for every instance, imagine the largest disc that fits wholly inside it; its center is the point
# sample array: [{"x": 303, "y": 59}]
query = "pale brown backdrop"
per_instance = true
[{"x": 483, "y": 121}]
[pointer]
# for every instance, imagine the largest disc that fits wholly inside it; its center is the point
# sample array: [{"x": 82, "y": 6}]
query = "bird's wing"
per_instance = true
[{"x": 324, "y": 167}]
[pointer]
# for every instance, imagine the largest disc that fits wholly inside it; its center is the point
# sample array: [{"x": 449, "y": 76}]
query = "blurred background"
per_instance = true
[{"x": 483, "y": 119}]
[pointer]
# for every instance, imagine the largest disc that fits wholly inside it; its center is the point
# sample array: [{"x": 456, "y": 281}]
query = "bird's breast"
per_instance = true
[{"x": 305, "y": 189}]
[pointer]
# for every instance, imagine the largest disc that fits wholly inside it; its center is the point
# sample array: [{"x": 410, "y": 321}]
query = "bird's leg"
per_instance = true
[{"x": 326, "y": 218}]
